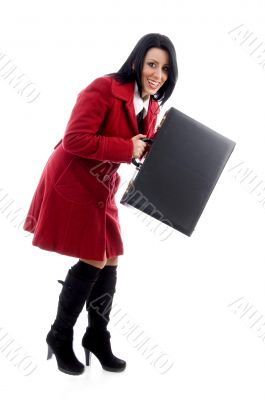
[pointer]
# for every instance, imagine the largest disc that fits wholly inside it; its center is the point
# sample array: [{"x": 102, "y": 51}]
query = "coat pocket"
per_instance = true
[{"x": 77, "y": 185}]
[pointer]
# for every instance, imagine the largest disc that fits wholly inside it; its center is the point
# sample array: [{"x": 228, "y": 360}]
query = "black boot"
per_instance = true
[
  {"x": 76, "y": 288},
  {"x": 97, "y": 338}
]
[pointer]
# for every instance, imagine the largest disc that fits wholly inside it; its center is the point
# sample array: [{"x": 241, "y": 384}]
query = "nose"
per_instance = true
[{"x": 158, "y": 74}]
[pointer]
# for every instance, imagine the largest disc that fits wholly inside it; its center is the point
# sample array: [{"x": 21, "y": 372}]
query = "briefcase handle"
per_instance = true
[{"x": 138, "y": 164}]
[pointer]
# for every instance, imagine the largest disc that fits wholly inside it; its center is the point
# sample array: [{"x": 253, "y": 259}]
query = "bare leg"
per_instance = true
[
  {"x": 112, "y": 261},
  {"x": 95, "y": 263}
]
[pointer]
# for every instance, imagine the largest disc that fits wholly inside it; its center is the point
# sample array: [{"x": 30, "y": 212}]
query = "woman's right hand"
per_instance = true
[{"x": 138, "y": 145}]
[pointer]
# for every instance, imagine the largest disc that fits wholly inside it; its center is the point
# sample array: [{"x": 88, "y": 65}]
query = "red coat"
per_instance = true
[{"x": 73, "y": 210}]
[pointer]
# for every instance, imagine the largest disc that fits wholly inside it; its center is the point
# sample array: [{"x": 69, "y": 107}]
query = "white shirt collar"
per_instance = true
[{"x": 139, "y": 103}]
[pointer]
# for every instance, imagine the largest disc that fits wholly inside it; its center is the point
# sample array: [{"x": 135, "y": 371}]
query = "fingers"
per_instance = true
[
  {"x": 140, "y": 148},
  {"x": 138, "y": 145},
  {"x": 140, "y": 135}
]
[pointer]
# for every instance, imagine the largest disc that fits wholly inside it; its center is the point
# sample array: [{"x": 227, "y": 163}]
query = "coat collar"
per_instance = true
[{"x": 125, "y": 92}]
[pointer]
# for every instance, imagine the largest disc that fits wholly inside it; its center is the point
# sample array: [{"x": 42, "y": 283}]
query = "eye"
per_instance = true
[
  {"x": 151, "y": 64},
  {"x": 166, "y": 69}
]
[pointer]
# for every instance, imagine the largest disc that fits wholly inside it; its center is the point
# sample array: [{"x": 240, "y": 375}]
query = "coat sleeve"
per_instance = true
[{"x": 82, "y": 136}]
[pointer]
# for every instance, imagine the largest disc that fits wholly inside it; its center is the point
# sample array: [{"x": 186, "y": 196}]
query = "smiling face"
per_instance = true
[{"x": 155, "y": 71}]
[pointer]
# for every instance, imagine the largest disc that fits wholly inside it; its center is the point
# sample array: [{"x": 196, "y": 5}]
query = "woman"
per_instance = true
[{"x": 73, "y": 211}]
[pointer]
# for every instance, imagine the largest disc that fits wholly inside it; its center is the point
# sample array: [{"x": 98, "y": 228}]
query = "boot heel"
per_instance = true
[
  {"x": 88, "y": 357},
  {"x": 50, "y": 353}
]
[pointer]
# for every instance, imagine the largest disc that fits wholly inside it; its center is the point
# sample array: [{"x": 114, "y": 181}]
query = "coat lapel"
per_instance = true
[
  {"x": 125, "y": 92},
  {"x": 153, "y": 110}
]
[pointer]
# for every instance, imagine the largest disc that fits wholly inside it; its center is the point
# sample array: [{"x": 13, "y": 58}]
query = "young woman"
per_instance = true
[{"x": 73, "y": 210}]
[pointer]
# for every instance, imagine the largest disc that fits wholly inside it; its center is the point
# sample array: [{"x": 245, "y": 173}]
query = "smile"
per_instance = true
[{"x": 152, "y": 84}]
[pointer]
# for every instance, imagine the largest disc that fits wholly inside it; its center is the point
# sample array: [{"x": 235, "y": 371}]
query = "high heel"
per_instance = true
[
  {"x": 50, "y": 353},
  {"x": 61, "y": 346},
  {"x": 76, "y": 289},
  {"x": 98, "y": 343},
  {"x": 96, "y": 339},
  {"x": 87, "y": 356}
]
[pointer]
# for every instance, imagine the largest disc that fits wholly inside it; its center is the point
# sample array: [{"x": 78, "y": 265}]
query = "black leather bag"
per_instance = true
[{"x": 179, "y": 172}]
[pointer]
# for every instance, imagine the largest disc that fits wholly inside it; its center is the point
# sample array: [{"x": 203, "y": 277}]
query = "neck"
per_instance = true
[{"x": 145, "y": 97}]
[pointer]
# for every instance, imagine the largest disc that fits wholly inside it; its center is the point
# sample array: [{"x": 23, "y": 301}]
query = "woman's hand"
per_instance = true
[{"x": 138, "y": 145}]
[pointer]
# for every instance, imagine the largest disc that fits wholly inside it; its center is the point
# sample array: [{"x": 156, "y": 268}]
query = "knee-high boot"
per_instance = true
[
  {"x": 97, "y": 338},
  {"x": 76, "y": 288}
]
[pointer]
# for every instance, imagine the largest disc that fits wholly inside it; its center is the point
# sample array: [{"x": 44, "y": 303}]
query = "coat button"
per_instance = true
[
  {"x": 106, "y": 178},
  {"x": 101, "y": 204}
]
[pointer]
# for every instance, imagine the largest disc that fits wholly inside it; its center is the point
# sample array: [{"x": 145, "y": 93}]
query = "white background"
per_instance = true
[{"x": 179, "y": 291}]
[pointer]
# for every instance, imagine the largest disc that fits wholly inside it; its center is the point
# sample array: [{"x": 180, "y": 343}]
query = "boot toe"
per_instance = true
[
  {"x": 61, "y": 347},
  {"x": 117, "y": 365}
]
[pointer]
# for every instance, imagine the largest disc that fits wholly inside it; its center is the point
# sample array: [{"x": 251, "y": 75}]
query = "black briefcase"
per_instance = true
[{"x": 179, "y": 171}]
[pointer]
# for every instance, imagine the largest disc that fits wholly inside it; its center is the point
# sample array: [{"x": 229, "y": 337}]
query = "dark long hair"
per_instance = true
[{"x": 128, "y": 74}]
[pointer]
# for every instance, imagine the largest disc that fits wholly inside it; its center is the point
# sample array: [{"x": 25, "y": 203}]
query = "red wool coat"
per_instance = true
[{"x": 73, "y": 210}]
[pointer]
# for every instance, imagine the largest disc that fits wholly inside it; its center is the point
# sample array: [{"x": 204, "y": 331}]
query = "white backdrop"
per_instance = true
[{"x": 199, "y": 301}]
